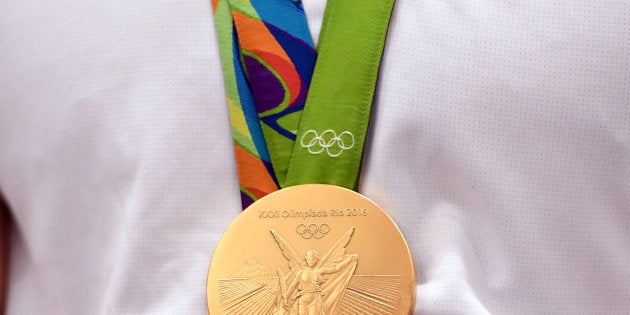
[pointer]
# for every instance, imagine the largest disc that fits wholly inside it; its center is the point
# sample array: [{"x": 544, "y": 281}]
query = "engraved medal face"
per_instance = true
[{"x": 312, "y": 249}]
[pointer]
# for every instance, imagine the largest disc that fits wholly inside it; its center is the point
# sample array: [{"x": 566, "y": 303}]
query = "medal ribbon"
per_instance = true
[
  {"x": 267, "y": 57},
  {"x": 328, "y": 147}
]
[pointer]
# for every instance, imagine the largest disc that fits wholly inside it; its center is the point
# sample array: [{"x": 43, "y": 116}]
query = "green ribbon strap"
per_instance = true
[{"x": 331, "y": 135}]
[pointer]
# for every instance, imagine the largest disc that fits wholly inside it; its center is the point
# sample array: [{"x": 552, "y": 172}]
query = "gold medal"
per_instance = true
[{"x": 312, "y": 249}]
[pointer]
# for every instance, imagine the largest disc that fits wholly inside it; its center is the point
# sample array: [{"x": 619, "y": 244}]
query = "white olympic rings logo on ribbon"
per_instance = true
[{"x": 328, "y": 141}]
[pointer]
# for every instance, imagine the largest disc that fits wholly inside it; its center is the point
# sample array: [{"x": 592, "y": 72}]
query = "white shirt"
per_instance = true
[{"x": 500, "y": 144}]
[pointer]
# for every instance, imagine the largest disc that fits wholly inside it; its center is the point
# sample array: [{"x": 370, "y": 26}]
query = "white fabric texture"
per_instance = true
[{"x": 500, "y": 144}]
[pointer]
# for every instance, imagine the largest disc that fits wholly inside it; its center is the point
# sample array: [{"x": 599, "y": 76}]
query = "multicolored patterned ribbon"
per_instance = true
[{"x": 268, "y": 58}]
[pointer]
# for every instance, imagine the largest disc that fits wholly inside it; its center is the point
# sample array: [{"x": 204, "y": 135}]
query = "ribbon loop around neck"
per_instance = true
[{"x": 268, "y": 58}]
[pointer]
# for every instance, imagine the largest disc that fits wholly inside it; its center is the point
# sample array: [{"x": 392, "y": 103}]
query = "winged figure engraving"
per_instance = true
[
  {"x": 313, "y": 285},
  {"x": 318, "y": 283}
]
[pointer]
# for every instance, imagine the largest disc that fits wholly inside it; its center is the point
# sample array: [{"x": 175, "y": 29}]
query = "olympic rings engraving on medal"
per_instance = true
[
  {"x": 328, "y": 141},
  {"x": 312, "y": 230}
]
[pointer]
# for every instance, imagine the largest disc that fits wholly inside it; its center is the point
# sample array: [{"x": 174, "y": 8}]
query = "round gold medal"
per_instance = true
[{"x": 312, "y": 249}]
